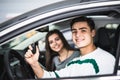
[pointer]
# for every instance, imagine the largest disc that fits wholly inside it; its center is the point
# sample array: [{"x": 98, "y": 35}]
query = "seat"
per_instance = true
[
  {"x": 117, "y": 34},
  {"x": 105, "y": 39}
]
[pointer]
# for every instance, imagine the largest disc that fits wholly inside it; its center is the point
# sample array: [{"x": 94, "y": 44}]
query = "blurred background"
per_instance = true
[{"x": 12, "y": 8}]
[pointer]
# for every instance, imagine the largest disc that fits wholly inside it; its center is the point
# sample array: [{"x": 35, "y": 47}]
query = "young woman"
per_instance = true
[{"x": 58, "y": 51}]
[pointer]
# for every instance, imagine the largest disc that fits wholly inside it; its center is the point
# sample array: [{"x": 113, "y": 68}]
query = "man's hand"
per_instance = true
[{"x": 30, "y": 57}]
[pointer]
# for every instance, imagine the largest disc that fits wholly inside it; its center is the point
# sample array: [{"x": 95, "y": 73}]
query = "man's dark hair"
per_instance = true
[{"x": 89, "y": 21}]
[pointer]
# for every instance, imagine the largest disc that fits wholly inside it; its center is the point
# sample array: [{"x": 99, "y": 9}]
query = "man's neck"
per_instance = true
[{"x": 87, "y": 49}]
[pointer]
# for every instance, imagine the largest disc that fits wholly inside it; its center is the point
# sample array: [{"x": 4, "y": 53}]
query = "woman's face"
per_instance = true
[{"x": 55, "y": 42}]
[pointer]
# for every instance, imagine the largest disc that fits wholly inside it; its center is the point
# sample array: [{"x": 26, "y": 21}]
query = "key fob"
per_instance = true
[{"x": 33, "y": 48}]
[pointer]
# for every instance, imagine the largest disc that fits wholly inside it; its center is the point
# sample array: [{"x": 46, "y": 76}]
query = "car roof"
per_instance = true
[{"x": 45, "y": 9}]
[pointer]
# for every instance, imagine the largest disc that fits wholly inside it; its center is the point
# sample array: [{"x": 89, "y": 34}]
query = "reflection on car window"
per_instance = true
[{"x": 18, "y": 40}]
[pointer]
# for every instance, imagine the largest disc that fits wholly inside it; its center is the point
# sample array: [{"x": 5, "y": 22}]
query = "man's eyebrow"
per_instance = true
[
  {"x": 79, "y": 28},
  {"x": 73, "y": 29},
  {"x": 82, "y": 28}
]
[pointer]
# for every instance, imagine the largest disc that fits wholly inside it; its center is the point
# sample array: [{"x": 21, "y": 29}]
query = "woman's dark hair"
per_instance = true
[
  {"x": 89, "y": 21},
  {"x": 50, "y": 54}
]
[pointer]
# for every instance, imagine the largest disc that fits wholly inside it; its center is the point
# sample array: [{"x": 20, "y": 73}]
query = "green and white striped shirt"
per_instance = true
[{"x": 95, "y": 63}]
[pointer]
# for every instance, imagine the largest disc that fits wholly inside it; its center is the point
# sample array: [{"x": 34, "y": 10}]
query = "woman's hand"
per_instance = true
[{"x": 30, "y": 57}]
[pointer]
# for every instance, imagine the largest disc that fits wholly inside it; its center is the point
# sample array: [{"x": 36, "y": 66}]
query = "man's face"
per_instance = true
[{"x": 82, "y": 35}]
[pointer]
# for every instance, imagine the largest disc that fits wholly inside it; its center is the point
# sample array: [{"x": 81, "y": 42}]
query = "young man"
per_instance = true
[{"x": 93, "y": 60}]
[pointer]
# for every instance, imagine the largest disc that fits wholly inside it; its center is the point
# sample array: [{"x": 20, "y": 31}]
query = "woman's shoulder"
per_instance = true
[
  {"x": 76, "y": 52},
  {"x": 55, "y": 58}
]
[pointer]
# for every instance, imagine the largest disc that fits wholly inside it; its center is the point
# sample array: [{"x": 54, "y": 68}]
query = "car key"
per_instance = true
[{"x": 33, "y": 47}]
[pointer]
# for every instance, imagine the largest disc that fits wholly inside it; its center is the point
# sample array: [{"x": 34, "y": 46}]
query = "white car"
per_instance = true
[{"x": 31, "y": 27}]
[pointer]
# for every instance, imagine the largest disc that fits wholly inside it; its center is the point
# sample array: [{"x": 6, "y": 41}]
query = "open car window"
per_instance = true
[{"x": 38, "y": 35}]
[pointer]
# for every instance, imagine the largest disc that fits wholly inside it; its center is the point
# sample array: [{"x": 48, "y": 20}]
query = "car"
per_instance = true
[{"x": 18, "y": 33}]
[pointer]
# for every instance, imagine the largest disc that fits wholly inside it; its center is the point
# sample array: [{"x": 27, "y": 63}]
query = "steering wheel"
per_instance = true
[{"x": 16, "y": 67}]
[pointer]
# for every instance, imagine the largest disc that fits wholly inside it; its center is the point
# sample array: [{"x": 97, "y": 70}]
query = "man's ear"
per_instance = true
[{"x": 93, "y": 33}]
